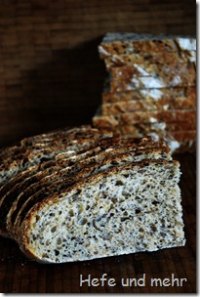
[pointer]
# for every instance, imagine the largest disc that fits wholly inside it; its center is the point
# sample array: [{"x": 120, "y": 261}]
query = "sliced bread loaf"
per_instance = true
[
  {"x": 71, "y": 174},
  {"x": 126, "y": 209}
]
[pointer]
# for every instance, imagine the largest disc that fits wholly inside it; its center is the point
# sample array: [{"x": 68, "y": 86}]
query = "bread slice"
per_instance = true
[
  {"x": 179, "y": 141},
  {"x": 101, "y": 161},
  {"x": 158, "y": 116},
  {"x": 126, "y": 43},
  {"x": 171, "y": 59},
  {"x": 151, "y": 96},
  {"x": 122, "y": 49},
  {"x": 126, "y": 209},
  {"x": 74, "y": 139},
  {"x": 148, "y": 74},
  {"x": 123, "y": 85},
  {"x": 161, "y": 127}
]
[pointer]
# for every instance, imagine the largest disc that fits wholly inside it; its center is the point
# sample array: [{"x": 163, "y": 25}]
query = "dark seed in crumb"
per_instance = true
[
  {"x": 56, "y": 252},
  {"x": 119, "y": 183},
  {"x": 137, "y": 211}
]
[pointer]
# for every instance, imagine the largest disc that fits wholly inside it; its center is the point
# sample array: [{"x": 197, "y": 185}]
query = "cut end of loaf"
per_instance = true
[{"x": 132, "y": 208}]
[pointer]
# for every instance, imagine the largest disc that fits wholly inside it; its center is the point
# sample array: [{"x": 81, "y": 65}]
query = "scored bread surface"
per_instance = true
[
  {"x": 30, "y": 177},
  {"x": 73, "y": 140},
  {"x": 84, "y": 168}
]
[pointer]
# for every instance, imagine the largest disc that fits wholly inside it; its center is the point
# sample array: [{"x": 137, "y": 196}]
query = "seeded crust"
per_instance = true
[
  {"x": 151, "y": 95},
  {"x": 169, "y": 174},
  {"x": 10, "y": 191},
  {"x": 83, "y": 169},
  {"x": 73, "y": 174},
  {"x": 41, "y": 140},
  {"x": 28, "y": 157},
  {"x": 59, "y": 140},
  {"x": 30, "y": 178}
]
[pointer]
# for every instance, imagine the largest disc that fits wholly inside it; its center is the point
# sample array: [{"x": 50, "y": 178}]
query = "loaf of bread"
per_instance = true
[
  {"x": 109, "y": 197},
  {"x": 127, "y": 208},
  {"x": 150, "y": 88},
  {"x": 16, "y": 191}
]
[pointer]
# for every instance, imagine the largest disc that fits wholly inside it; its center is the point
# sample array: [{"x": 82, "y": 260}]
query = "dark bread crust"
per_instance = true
[
  {"x": 23, "y": 236},
  {"x": 27, "y": 157},
  {"x": 28, "y": 179}
]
